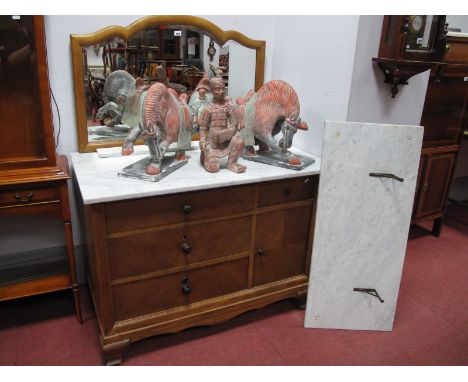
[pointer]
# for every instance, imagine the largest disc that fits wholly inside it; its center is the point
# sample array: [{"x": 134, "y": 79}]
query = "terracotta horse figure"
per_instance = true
[
  {"x": 165, "y": 119},
  {"x": 274, "y": 108}
]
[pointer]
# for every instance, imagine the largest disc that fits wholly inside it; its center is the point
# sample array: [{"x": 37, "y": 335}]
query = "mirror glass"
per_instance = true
[{"x": 177, "y": 56}]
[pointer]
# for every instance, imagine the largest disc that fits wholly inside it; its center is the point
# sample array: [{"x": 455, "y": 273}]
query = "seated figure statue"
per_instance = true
[{"x": 219, "y": 131}]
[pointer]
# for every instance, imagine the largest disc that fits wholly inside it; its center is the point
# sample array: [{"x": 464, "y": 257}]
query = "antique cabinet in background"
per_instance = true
[
  {"x": 33, "y": 180},
  {"x": 444, "y": 120}
]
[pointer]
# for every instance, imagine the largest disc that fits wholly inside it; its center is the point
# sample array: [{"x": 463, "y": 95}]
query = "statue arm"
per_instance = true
[{"x": 204, "y": 124}]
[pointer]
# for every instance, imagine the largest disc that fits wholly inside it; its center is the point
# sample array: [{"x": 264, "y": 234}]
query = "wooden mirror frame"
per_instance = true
[{"x": 202, "y": 25}]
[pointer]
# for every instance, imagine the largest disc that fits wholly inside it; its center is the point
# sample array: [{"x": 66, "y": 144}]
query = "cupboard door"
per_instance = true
[
  {"x": 281, "y": 244},
  {"x": 26, "y": 130},
  {"x": 435, "y": 184},
  {"x": 444, "y": 111}
]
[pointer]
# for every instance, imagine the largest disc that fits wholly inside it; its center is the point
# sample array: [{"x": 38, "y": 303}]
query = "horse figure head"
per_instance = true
[{"x": 288, "y": 128}]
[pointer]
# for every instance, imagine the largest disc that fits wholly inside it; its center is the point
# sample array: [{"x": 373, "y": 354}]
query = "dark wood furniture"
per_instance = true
[
  {"x": 410, "y": 45},
  {"x": 32, "y": 179},
  {"x": 166, "y": 263},
  {"x": 444, "y": 119}
]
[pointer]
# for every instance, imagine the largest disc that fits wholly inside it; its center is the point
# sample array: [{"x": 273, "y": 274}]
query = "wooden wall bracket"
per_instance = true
[{"x": 397, "y": 72}]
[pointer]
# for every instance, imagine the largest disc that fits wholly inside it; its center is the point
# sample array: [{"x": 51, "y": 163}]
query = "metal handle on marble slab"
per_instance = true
[
  {"x": 391, "y": 176},
  {"x": 372, "y": 292}
]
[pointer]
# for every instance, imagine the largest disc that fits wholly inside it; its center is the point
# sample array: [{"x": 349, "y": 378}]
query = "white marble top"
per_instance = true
[{"x": 98, "y": 180}]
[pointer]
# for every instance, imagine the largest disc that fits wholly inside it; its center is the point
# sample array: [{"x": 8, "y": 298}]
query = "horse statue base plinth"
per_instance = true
[
  {"x": 275, "y": 158},
  {"x": 137, "y": 170}
]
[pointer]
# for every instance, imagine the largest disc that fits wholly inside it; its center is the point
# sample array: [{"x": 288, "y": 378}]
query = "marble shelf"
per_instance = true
[{"x": 98, "y": 180}]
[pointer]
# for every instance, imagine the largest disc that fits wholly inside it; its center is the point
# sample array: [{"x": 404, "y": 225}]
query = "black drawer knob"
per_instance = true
[
  {"x": 287, "y": 191},
  {"x": 186, "y": 289},
  {"x": 186, "y": 208},
  {"x": 186, "y": 248},
  {"x": 260, "y": 252}
]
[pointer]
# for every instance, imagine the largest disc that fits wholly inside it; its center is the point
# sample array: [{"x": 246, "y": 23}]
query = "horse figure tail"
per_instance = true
[
  {"x": 278, "y": 99},
  {"x": 155, "y": 109}
]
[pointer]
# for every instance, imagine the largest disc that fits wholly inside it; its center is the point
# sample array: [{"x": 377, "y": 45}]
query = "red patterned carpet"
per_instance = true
[{"x": 431, "y": 325}]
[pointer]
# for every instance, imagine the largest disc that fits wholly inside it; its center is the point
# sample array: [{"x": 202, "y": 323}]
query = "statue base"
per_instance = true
[
  {"x": 274, "y": 158},
  {"x": 137, "y": 169}
]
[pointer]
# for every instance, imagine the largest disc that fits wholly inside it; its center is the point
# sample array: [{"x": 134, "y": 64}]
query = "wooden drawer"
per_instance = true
[
  {"x": 162, "y": 293},
  {"x": 164, "y": 249},
  {"x": 29, "y": 196},
  {"x": 457, "y": 52},
  {"x": 169, "y": 209},
  {"x": 289, "y": 190}
]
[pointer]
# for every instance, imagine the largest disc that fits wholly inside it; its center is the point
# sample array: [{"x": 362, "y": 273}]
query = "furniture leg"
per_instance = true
[
  {"x": 71, "y": 260},
  {"x": 437, "y": 227},
  {"x": 113, "y": 353}
]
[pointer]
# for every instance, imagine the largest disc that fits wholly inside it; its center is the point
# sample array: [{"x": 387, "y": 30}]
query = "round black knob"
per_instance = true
[
  {"x": 287, "y": 191},
  {"x": 186, "y": 289},
  {"x": 260, "y": 252},
  {"x": 186, "y": 248},
  {"x": 186, "y": 208}
]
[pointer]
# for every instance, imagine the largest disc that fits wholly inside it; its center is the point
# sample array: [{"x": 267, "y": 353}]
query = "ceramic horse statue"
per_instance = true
[
  {"x": 274, "y": 108},
  {"x": 165, "y": 119}
]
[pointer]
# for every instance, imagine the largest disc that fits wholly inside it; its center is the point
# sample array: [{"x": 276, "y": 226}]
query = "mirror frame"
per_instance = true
[{"x": 202, "y": 25}]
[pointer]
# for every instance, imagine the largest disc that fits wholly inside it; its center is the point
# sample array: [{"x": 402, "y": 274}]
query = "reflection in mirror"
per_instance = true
[{"x": 178, "y": 57}]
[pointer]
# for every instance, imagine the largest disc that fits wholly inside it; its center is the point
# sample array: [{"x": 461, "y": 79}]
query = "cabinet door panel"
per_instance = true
[
  {"x": 435, "y": 184},
  {"x": 443, "y": 113},
  {"x": 217, "y": 280},
  {"x": 281, "y": 244}
]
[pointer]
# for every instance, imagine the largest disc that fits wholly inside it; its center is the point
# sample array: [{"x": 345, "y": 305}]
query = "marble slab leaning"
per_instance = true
[
  {"x": 98, "y": 179},
  {"x": 362, "y": 224}
]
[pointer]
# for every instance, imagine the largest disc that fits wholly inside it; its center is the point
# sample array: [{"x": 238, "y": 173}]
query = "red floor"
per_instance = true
[{"x": 431, "y": 325}]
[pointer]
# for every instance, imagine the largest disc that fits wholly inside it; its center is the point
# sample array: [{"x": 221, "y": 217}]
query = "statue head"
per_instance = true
[{"x": 217, "y": 88}]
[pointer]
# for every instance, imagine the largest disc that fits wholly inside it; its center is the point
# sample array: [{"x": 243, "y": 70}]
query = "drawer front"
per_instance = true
[
  {"x": 162, "y": 293},
  {"x": 30, "y": 195},
  {"x": 178, "y": 208},
  {"x": 289, "y": 190},
  {"x": 456, "y": 53},
  {"x": 154, "y": 251}
]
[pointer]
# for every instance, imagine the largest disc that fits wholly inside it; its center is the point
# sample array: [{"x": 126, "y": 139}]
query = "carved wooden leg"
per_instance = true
[
  {"x": 113, "y": 353},
  {"x": 301, "y": 301},
  {"x": 437, "y": 226}
]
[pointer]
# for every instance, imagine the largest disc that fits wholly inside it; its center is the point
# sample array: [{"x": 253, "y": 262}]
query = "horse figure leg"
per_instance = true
[{"x": 127, "y": 147}]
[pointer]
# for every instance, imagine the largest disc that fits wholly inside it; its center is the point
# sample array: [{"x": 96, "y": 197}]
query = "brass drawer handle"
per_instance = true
[
  {"x": 426, "y": 185},
  {"x": 24, "y": 199}
]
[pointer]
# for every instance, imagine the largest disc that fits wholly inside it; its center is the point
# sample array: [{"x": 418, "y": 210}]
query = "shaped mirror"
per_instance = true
[{"x": 174, "y": 50}]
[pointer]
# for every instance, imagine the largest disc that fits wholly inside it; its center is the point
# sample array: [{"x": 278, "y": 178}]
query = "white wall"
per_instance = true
[
  {"x": 315, "y": 55},
  {"x": 370, "y": 99}
]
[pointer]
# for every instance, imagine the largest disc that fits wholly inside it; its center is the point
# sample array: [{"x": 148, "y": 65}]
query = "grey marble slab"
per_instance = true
[
  {"x": 98, "y": 178},
  {"x": 362, "y": 224}
]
